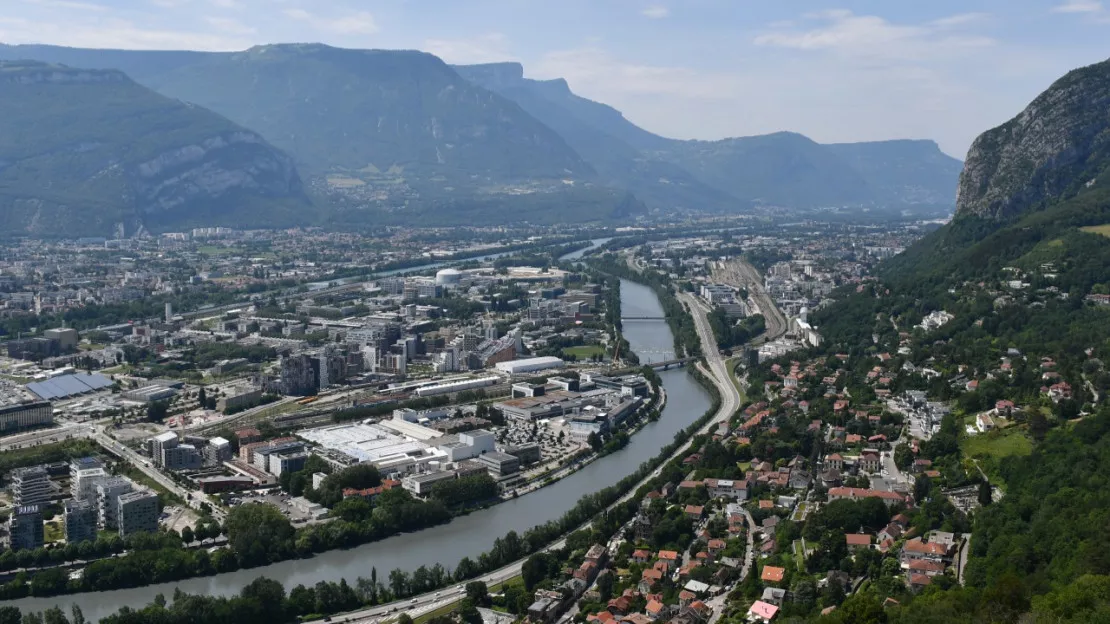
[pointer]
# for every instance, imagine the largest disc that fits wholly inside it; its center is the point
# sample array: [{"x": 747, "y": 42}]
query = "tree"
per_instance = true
[
  {"x": 922, "y": 486},
  {"x": 259, "y": 534},
  {"x": 477, "y": 592},
  {"x": 10, "y": 615},
  {"x": 985, "y": 497},
  {"x": 187, "y": 536},
  {"x": 468, "y": 612},
  {"x": 903, "y": 457},
  {"x": 534, "y": 570},
  {"x": 404, "y": 618}
]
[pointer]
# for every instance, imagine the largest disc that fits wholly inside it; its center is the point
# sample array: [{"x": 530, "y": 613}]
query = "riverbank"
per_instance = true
[{"x": 467, "y": 537}]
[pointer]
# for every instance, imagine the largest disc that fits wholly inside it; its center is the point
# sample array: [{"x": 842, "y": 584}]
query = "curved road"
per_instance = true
[{"x": 730, "y": 402}]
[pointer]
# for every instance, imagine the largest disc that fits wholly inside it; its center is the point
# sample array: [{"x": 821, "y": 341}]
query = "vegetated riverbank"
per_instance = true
[{"x": 541, "y": 534}]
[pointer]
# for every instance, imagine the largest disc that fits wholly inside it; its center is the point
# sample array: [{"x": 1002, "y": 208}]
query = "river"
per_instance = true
[{"x": 469, "y": 535}]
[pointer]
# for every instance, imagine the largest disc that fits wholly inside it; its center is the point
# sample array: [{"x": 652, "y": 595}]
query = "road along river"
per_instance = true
[{"x": 470, "y": 535}]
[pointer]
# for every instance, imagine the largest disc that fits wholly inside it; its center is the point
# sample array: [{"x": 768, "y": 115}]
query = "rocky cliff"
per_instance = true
[
  {"x": 1050, "y": 150},
  {"x": 83, "y": 151}
]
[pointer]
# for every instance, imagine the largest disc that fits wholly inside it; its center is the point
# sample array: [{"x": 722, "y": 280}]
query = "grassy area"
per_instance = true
[
  {"x": 53, "y": 532},
  {"x": 799, "y": 555},
  {"x": 585, "y": 352},
  {"x": 991, "y": 448},
  {"x": 138, "y": 476},
  {"x": 1101, "y": 230}
]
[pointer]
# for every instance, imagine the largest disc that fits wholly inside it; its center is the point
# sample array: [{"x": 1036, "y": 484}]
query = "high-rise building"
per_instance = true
[
  {"x": 181, "y": 457},
  {"x": 299, "y": 375},
  {"x": 137, "y": 511},
  {"x": 80, "y": 519},
  {"x": 84, "y": 474},
  {"x": 31, "y": 486},
  {"x": 159, "y": 444},
  {"x": 107, "y": 500},
  {"x": 26, "y": 528},
  {"x": 169, "y": 312},
  {"x": 218, "y": 451}
]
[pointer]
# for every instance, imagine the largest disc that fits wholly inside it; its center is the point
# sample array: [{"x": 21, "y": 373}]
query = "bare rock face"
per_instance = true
[
  {"x": 1059, "y": 142},
  {"x": 82, "y": 151}
]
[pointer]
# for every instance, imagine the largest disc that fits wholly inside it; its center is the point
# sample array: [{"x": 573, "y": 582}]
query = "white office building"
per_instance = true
[
  {"x": 107, "y": 500},
  {"x": 31, "y": 486},
  {"x": 529, "y": 365}
]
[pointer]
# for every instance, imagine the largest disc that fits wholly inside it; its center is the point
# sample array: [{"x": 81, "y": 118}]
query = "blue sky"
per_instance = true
[{"x": 836, "y": 70}]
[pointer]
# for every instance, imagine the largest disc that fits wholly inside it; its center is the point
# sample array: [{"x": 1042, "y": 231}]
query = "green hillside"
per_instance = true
[{"x": 82, "y": 151}]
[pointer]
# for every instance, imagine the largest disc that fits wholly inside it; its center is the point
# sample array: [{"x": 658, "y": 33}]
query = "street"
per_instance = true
[{"x": 730, "y": 402}]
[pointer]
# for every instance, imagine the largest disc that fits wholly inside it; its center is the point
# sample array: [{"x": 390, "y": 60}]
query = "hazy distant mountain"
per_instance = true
[
  {"x": 402, "y": 131},
  {"x": 904, "y": 172},
  {"x": 82, "y": 151},
  {"x": 783, "y": 169},
  {"x": 610, "y": 143}
]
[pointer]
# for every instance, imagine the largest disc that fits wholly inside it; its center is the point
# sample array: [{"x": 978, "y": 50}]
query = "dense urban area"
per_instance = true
[
  {"x": 285, "y": 402},
  {"x": 306, "y": 334}
]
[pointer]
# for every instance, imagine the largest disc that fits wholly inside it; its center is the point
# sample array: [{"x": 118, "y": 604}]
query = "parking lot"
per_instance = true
[{"x": 276, "y": 498}]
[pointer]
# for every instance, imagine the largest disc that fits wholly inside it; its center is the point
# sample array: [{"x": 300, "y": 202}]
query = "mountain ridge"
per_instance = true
[{"x": 120, "y": 154}]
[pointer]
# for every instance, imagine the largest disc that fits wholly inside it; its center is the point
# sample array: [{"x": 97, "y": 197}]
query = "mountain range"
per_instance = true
[
  {"x": 402, "y": 137},
  {"x": 91, "y": 150}
]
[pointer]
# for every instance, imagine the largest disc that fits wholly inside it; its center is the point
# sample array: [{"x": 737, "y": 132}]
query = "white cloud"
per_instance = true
[
  {"x": 871, "y": 36},
  {"x": 656, "y": 11},
  {"x": 1079, "y": 6},
  {"x": 226, "y": 4},
  {"x": 489, "y": 48},
  {"x": 231, "y": 26},
  {"x": 360, "y": 23},
  {"x": 114, "y": 33},
  {"x": 68, "y": 4},
  {"x": 595, "y": 70}
]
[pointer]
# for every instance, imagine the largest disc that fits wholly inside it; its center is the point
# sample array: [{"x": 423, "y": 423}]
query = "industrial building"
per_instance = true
[
  {"x": 499, "y": 464},
  {"x": 529, "y": 365},
  {"x": 380, "y": 445},
  {"x": 25, "y": 527},
  {"x": 80, "y": 521},
  {"x": 19, "y": 416},
  {"x": 457, "y": 386},
  {"x": 286, "y": 457},
  {"x": 71, "y": 385},
  {"x": 31, "y": 486},
  {"x": 137, "y": 511},
  {"x": 469, "y": 444}
]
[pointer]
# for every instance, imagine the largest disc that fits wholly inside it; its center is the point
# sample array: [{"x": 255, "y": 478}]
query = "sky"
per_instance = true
[{"x": 836, "y": 70}]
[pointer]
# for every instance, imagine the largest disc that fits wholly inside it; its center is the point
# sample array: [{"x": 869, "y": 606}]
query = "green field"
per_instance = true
[
  {"x": 585, "y": 352},
  {"x": 991, "y": 448},
  {"x": 1103, "y": 230}
]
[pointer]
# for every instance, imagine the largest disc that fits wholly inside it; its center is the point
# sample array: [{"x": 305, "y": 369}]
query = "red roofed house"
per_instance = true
[
  {"x": 771, "y": 574},
  {"x": 655, "y": 609},
  {"x": 648, "y": 579},
  {"x": 641, "y": 556},
  {"x": 695, "y": 512},
  {"x": 916, "y": 549},
  {"x": 669, "y": 558},
  {"x": 762, "y": 612},
  {"x": 889, "y": 498},
  {"x": 857, "y": 541}
]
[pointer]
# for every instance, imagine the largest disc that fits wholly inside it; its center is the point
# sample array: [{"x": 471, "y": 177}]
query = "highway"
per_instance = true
[
  {"x": 730, "y": 402},
  {"x": 66, "y": 431},
  {"x": 193, "y": 498}
]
